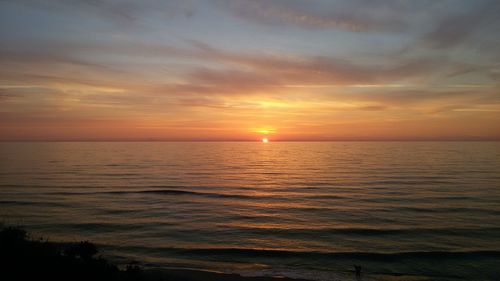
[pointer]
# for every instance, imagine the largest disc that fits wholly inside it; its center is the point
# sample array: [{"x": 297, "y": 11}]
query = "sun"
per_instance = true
[{"x": 265, "y": 140}]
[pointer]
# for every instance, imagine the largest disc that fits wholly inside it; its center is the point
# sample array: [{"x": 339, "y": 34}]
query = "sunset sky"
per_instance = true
[{"x": 244, "y": 70}]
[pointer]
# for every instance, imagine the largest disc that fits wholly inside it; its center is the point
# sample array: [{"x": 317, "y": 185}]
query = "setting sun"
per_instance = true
[{"x": 265, "y": 140}]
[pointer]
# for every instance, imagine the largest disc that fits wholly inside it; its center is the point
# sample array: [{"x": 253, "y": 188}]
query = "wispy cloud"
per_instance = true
[
  {"x": 122, "y": 12},
  {"x": 299, "y": 13},
  {"x": 455, "y": 29}
]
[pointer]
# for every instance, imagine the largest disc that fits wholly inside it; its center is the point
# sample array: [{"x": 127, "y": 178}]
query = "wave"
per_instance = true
[
  {"x": 28, "y": 203},
  {"x": 271, "y": 253},
  {"x": 312, "y": 233},
  {"x": 467, "y": 210},
  {"x": 346, "y": 255},
  {"x": 158, "y": 191},
  {"x": 101, "y": 227},
  {"x": 182, "y": 192},
  {"x": 408, "y": 182},
  {"x": 224, "y": 195},
  {"x": 89, "y": 186},
  {"x": 372, "y": 232}
]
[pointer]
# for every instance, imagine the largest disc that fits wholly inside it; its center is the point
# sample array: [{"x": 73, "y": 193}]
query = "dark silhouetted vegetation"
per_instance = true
[{"x": 25, "y": 258}]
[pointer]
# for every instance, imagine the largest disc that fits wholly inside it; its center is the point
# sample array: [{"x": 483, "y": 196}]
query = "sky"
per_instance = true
[{"x": 249, "y": 69}]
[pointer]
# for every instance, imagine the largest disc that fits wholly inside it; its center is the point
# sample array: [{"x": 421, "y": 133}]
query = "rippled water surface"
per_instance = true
[{"x": 398, "y": 208}]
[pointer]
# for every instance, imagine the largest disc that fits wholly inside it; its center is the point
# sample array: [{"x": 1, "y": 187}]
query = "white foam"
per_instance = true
[{"x": 314, "y": 275}]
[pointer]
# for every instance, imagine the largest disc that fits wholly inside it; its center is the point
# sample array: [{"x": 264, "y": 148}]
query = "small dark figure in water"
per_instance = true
[{"x": 357, "y": 269}]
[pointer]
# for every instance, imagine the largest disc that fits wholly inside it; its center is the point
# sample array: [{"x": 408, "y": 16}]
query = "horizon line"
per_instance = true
[{"x": 258, "y": 140}]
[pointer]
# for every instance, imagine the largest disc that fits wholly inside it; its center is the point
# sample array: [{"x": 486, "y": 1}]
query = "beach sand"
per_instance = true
[{"x": 201, "y": 275}]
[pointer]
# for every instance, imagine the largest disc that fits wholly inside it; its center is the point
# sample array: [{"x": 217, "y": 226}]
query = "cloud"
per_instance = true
[
  {"x": 214, "y": 70},
  {"x": 373, "y": 107},
  {"x": 121, "y": 12},
  {"x": 425, "y": 101},
  {"x": 214, "y": 76},
  {"x": 249, "y": 73},
  {"x": 4, "y": 95},
  {"x": 453, "y": 30},
  {"x": 349, "y": 16}
]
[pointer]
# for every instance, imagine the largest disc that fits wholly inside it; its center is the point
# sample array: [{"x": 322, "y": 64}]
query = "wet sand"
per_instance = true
[
  {"x": 202, "y": 275},
  {"x": 199, "y": 275}
]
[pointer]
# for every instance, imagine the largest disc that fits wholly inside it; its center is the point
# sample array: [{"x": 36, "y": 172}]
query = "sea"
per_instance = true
[{"x": 313, "y": 210}]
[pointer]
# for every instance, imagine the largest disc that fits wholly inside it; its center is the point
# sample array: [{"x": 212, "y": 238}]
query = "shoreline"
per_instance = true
[
  {"x": 205, "y": 275},
  {"x": 193, "y": 274}
]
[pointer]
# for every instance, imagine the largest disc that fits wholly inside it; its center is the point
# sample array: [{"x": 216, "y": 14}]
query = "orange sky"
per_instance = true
[{"x": 243, "y": 70}]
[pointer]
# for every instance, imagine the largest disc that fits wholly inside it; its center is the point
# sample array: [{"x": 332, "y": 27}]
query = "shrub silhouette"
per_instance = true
[
  {"x": 24, "y": 258},
  {"x": 12, "y": 235},
  {"x": 84, "y": 250}
]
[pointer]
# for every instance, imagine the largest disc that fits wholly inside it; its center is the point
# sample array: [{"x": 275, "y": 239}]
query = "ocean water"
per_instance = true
[{"x": 401, "y": 210}]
